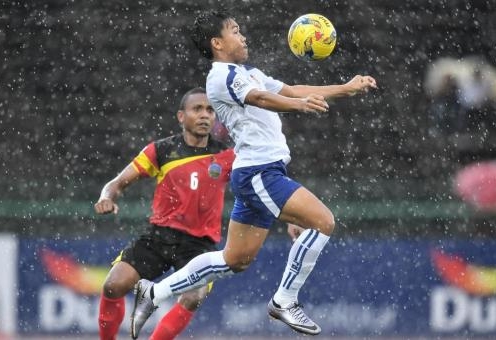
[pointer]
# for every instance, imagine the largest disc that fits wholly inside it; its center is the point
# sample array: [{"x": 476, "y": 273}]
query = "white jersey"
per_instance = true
[{"x": 257, "y": 132}]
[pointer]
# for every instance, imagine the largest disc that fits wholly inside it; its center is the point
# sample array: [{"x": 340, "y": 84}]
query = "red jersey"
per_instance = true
[{"x": 191, "y": 181}]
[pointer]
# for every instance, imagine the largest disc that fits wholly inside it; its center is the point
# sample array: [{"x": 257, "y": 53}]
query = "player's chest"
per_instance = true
[{"x": 198, "y": 174}]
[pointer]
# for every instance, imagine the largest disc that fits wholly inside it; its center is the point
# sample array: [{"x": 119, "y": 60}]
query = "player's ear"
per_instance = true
[
  {"x": 215, "y": 43},
  {"x": 180, "y": 116}
]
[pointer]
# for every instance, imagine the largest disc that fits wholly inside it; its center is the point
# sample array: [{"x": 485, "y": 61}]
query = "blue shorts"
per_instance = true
[{"x": 260, "y": 193}]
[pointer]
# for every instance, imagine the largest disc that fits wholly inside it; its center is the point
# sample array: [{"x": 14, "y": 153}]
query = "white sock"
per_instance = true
[
  {"x": 198, "y": 272},
  {"x": 301, "y": 260}
]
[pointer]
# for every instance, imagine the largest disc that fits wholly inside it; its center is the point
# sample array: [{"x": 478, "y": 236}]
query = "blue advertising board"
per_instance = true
[{"x": 360, "y": 287}]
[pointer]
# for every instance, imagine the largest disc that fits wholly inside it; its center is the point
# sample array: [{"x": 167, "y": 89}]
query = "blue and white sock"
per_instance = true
[
  {"x": 198, "y": 272},
  {"x": 301, "y": 261}
]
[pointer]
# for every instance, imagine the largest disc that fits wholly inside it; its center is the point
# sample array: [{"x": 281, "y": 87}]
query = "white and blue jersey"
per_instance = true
[
  {"x": 258, "y": 180},
  {"x": 257, "y": 132}
]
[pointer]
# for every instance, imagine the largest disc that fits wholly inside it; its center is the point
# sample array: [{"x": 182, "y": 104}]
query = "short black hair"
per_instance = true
[
  {"x": 184, "y": 99},
  {"x": 208, "y": 25}
]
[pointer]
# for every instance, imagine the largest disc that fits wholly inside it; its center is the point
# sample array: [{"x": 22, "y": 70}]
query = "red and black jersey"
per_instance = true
[{"x": 190, "y": 184}]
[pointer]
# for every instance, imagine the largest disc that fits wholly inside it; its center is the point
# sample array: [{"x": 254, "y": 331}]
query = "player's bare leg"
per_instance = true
[
  {"x": 243, "y": 244},
  {"x": 306, "y": 210},
  {"x": 120, "y": 280}
]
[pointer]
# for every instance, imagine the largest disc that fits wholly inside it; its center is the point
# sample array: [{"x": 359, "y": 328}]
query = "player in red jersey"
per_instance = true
[{"x": 191, "y": 170}]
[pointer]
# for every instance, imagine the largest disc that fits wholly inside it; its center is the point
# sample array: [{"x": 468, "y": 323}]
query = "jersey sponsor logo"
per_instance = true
[
  {"x": 173, "y": 155},
  {"x": 256, "y": 80},
  {"x": 239, "y": 84}
]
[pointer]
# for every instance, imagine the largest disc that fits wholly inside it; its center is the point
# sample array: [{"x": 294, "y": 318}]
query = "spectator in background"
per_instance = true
[
  {"x": 445, "y": 110},
  {"x": 475, "y": 92},
  {"x": 475, "y": 96},
  {"x": 191, "y": 170},
  {"x": 462, "y": 95}
]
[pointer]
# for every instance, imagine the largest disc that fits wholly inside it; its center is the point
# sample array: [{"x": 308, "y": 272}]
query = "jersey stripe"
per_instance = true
[
  {"x": 229, "y": 82},
  {"x": 143, "y": 163},
  {"x": 264, "y": 196},
  {"x": 164, "y": 170},
  {"x": 208, "y": 271},
  {"x": 298, "y": 260}
]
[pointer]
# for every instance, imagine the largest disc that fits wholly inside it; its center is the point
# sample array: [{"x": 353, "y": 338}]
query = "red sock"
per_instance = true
[
  {"x": 110, "y": 317},
  {"x": 172, "y": 323}
]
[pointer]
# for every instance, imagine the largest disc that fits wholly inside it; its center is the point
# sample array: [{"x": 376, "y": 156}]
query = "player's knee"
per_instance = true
[
  {"x": 114, "y": 289},
  {"x": 238, "y": 265},
  {"x": 239, "y": 260},
  {"x": 328, "y": 225}
]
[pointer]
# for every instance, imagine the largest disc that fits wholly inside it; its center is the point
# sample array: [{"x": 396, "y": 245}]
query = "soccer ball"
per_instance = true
[{"x": 312, "y": 37}]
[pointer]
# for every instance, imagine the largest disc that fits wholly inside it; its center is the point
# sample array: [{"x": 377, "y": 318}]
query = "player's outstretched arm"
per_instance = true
[
  {"x": 356, "y": 85},
  {"x": 311, "y": 103},
  {"x": 113, "y": 189}
]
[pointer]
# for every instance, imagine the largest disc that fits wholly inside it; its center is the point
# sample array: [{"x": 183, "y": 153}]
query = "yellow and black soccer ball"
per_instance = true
[{"x": 312, "y": 37}]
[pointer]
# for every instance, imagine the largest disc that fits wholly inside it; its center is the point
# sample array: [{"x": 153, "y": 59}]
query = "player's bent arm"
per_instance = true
[
  {"x": 114, "y": 188},
  {"x": 280, "y": 103}
]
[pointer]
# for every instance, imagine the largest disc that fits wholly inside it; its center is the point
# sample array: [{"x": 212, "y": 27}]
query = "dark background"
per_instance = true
[{"x": 84, "y": 85}]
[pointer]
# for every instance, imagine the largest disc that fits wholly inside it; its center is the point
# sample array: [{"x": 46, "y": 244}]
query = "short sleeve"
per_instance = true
[
  {"x": 146, "y": 161},
  {"x": 238, "y": 85},
  {"x": 272, "y": 85}
]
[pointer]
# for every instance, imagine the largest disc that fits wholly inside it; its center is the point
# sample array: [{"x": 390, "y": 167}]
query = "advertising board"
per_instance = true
[{"x": 360, "y": 287}]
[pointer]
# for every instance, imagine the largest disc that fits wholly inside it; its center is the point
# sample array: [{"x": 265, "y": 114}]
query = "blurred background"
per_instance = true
[{"x": 85, "y": 85}]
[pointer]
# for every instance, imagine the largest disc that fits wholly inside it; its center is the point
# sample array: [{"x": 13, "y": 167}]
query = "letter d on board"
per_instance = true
[{"x": 448, "y": 309}]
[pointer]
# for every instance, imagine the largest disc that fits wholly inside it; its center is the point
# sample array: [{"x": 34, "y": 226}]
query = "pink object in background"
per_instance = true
[
  {"x": 476, "y": 185},
  {"x": 220, "y": 133}
]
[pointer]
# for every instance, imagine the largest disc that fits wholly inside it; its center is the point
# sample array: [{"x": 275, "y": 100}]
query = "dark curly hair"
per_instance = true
[{"x": 208, "y": 25}]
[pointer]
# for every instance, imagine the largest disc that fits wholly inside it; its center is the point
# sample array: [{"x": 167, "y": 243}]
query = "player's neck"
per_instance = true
[
  {"x": 195, "y": 141},
  {"x": 224, "y": 60}
]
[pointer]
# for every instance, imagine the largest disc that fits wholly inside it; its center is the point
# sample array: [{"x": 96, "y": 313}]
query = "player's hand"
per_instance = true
[
  {"x": 106, "y": 206},
  {"x": 314, "y": 104},
  {"x": 294, "y": 231},
  {"x": 361, "y": 84}
]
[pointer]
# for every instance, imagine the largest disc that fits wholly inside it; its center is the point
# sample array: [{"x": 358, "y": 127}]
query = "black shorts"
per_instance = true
[{"x": 161, "y": 248}]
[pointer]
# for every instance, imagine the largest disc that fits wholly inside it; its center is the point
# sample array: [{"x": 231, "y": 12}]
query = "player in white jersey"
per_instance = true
[
  {"x": 247, "y": 102},
  {"x": 256, "y": 131}
]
